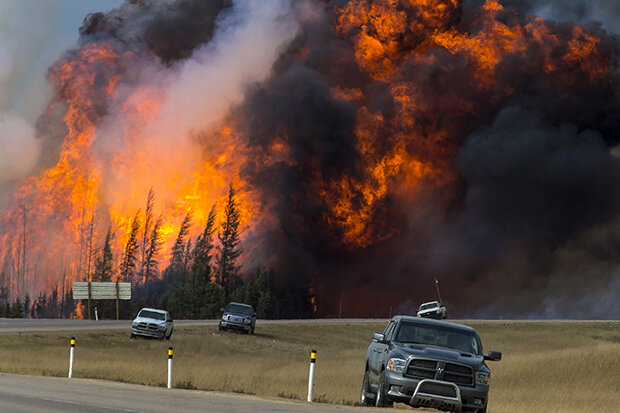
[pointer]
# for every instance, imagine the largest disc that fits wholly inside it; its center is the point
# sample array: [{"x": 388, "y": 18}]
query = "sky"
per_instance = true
[{"x": 30, "y": 41}]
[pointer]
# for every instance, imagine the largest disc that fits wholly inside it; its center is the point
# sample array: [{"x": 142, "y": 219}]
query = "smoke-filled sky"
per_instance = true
[
  {"x": 375, "y": 145},
  {"x": 33, "y": 34}
]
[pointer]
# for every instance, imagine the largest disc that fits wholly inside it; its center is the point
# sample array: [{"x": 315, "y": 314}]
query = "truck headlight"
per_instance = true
[
  {"x": 483, "y": 378},
  {"x": 396, "y": 364},
  {"x": 246, "y": 320}
]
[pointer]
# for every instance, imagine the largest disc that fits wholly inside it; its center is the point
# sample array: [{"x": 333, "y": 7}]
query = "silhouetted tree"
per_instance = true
[
  {"x": 128, "y": 262},
  {"x": 104, "y": 263},
  {"x": 146, "y": 237},
  {"x": 152, "y": 250},
  {"x": 226, "y": 262},
  {"x": 179, "y": 259}
]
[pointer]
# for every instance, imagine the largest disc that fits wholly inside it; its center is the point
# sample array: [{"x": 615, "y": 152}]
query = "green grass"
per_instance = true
[{"x": 546, "y": 367}]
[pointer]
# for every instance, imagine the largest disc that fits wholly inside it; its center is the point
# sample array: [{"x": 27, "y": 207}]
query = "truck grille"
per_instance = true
[
  {"x": 421, "y": 369},
  {"x": 458, "y": 374},
  {"x": 147, "y": 327},
  {"x": 429, "y": 369}
]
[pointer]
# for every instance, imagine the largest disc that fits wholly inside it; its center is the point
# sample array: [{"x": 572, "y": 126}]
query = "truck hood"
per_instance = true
[
  {"x": 429, "y": 310},
  {"x": 439, "y": 353},
  {"x": 229, "y": 313},
  {"x": 149, "y": 320}
]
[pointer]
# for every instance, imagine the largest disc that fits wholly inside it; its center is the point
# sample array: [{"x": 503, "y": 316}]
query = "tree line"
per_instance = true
[
  {"x": 56, "y": 305},
  {"x": 202, "y": 276}
]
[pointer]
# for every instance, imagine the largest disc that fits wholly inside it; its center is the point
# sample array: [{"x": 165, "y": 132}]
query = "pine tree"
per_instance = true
[
  {"x": 146, "y": 237},
  {"x": 128, "y": 262},
  {"x": 201, "y": 255},
  {"x": 17, "y": 310},
  {"x": 53, "y": 304},
  {"x": 26, "y": 306},
  {"x": 229, "y": 251},
  {"x": 265, "y": 303},
  {"x": 178, "y": 250},
  {"x": 104, "y": 263},
  {"x": 152, "y": 251},
  {"x": 187, "y": 257}
]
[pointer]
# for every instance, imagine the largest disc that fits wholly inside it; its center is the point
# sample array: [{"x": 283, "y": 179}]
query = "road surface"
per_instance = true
[
  {"x": 22, "y": 325},
  {"x": 35, "y": 394}
]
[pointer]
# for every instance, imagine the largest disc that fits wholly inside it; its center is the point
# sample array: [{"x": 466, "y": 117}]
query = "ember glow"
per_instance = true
[{"x": 374, "y": 145}]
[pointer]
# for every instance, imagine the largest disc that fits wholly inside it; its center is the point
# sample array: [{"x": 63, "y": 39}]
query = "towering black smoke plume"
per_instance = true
[{"x": 537, "y": 176}]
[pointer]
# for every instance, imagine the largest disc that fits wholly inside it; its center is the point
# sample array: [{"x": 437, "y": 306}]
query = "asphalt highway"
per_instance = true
[
  {"x": 21, "y": 325},
  {"x": 35, "y": 394}
]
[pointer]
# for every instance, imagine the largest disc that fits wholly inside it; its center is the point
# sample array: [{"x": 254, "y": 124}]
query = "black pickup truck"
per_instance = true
[{"x": 427, "y": 363}]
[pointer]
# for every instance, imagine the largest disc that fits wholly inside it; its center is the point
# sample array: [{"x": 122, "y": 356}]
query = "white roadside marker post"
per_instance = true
[
  {"x": 169, "y": 367},
  {"x": 311, "y": 375},
  {"x": 71, "y": 357}
]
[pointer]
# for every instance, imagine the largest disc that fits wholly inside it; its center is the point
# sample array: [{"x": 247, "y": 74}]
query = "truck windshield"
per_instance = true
[
  {"x": 463, "y": 341},
  {"x": 152, "y": 314},
  {"x": 238, "y": 309}
]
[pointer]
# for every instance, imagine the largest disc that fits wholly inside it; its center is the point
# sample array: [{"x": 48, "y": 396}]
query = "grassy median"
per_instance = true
[{"x": 547, "y": 366}]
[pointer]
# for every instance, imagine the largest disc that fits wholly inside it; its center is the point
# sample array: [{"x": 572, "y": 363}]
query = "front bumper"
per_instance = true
[
  {"x": 235, "y": 326},
  {"x": 435, "y": 393},
  {"x": 148, "y": 331}
]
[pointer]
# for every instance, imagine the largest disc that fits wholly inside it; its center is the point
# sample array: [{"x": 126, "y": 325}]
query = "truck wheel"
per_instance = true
[
  {"x": 365, "y": 399},
  {"x": 219, "y": 326},
  {"x": 381, "y": 400},
  {"x": 169, "y": 335}
]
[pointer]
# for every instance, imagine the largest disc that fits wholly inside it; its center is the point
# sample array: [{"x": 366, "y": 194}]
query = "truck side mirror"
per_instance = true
[
  {"x": 494, "y": 356},
  {"x": 221, "y": 309},
  {"x": 378, "y": 337}
]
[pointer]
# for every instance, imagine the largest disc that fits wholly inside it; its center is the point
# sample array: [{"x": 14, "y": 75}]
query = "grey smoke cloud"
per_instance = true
[
  {"x": 32, "y": 35},
  {"x": 583, "y": 12}
]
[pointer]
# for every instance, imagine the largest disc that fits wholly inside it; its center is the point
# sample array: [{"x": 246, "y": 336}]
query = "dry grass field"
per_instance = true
[{"x": 547, "y": 366}]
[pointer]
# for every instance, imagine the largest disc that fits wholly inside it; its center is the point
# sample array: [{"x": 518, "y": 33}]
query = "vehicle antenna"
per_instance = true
[{"x": 437, "y": 286}]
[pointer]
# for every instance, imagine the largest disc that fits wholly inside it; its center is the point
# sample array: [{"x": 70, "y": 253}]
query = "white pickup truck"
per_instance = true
[
  {"x": 151, "y": 322},
  {"x": 433, "y": 309}
]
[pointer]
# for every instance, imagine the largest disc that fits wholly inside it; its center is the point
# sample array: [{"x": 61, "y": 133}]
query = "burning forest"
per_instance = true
[{"x": 372, "y": 146}]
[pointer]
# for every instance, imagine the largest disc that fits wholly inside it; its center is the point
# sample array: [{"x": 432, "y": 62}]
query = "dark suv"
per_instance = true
[
  {"x": 427, "y": 363},
  {"x": 237, "y": 316}
]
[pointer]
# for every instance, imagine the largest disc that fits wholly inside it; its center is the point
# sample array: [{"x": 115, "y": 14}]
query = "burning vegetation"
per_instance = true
[{"x": 368, "y": 146}]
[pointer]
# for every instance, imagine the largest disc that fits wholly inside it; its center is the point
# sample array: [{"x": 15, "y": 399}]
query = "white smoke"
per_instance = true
[
  {"x": 20, "y": 149},
  {"x": 245, "y": 44},
  {"x": 32, "y": 35},
  {"x": 583, "y": 12},
  {"x": 195, "y": 94}
]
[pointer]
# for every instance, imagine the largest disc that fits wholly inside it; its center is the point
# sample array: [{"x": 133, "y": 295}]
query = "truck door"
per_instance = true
[{"x": 380, "y": 350}]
